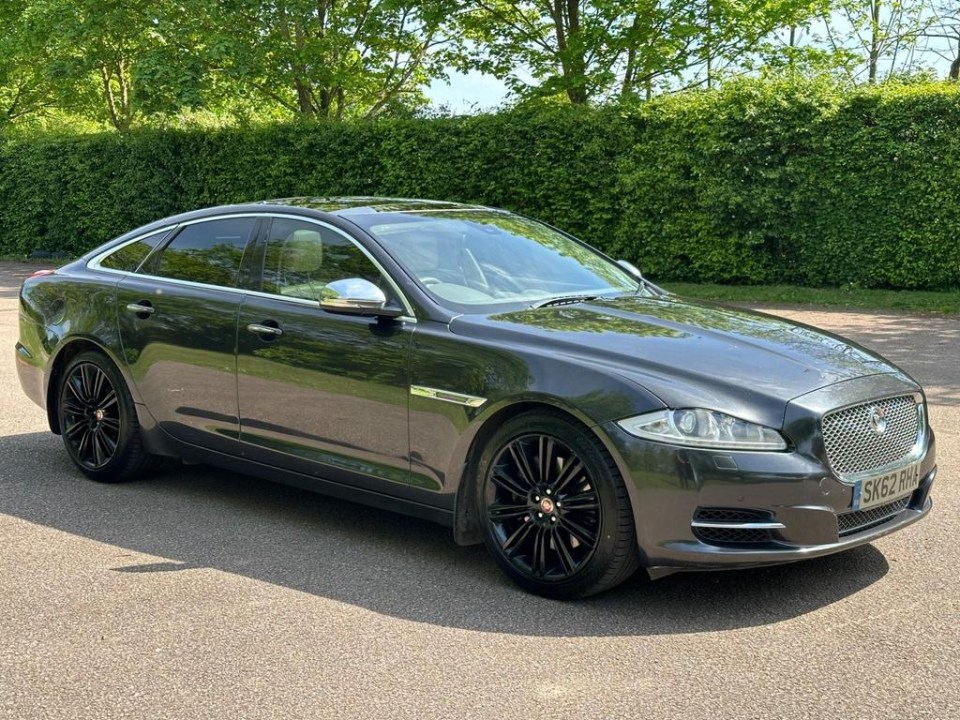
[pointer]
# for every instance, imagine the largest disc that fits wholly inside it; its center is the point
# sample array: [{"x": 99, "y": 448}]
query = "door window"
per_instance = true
[
  {"x": 301, "y": 257},
  {"x": 206, "y": 252},
  {"x": 129, "y": 257}
]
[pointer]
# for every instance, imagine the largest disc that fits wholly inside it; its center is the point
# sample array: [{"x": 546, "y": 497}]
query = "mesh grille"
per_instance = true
[
  {"x": 853, "y": 522},
  {"x": 731, "y": 536},
  {"x": 730, "y": 515},
  {"x": 854, "y": 446}
]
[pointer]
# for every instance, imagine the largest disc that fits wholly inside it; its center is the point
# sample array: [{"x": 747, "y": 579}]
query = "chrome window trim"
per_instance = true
[{"x": 94, "y": 263}]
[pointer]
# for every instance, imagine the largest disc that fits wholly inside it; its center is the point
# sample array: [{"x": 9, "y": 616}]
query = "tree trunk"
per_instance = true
[{"x": 874, "y": 39}]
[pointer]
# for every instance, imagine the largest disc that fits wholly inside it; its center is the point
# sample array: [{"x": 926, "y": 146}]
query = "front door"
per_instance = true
[
  {"x": 321, "y": 394},
  {"x": 178, "y": 330}
]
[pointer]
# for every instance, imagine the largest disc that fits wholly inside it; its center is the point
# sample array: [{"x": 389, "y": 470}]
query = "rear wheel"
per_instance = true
[
  {"x": 555, "y": 510},
  {"x": 98, "y": 421}
]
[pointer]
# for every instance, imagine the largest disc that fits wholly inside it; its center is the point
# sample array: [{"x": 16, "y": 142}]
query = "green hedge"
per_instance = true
[
  {"x": 757, "y": 182},
  {"x": 800, "y": 183}
]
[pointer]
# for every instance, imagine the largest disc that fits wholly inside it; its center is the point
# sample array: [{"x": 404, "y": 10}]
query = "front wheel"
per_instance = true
[
  {"x": 98, "y": 421},
  {"x": 555, "y": 510}
]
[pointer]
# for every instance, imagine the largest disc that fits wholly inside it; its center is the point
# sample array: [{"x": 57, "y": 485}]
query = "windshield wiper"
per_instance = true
[{"x": 565, "y": 300}]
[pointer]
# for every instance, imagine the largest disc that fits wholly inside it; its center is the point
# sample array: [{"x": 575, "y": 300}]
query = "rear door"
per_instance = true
[{"x": 178, "y": 330}]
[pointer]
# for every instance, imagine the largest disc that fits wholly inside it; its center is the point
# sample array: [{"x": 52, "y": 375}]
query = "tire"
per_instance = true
[
  {"x": 566, "y": 533},
  {"x": 98, "y": 421}
]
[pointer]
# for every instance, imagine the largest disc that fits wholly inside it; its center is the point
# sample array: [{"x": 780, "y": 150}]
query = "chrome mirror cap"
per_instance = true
[{"x": 355, "y": 296}]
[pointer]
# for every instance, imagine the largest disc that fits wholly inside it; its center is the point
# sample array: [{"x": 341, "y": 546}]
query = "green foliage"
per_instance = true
[
  {"x": 780, "y": 181},
  {"x": 797, "y": 182},
  {"x": 589, "y": 50}
]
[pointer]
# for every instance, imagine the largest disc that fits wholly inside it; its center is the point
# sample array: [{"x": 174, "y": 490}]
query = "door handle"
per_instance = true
[
  {"x": 142, "y": 308},
  {"x": 258, "y": 329}
]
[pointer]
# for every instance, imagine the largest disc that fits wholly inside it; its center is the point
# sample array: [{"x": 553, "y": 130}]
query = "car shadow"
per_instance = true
[{"x": 188, "y": 517}]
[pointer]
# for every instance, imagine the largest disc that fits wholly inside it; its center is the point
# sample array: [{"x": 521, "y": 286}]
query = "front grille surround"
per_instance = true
[{"x": 855, "y": 450}]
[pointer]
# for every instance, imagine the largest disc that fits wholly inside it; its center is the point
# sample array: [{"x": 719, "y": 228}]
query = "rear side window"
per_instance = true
[
  {"x": 129, "y": 257},
  {"x": 206, "y": 252}
]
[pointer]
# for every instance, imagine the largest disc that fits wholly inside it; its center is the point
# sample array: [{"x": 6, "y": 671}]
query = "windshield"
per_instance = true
[{"x": 475, "y": 258}]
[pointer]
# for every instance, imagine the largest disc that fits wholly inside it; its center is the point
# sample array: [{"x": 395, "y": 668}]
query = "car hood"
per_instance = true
[{"x": 688, "y": 354}]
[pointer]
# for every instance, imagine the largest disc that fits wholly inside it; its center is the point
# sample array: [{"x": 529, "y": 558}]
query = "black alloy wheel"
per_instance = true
[
  {"x": 98, "y": 421},
  {"x": 555, "y": 509}
]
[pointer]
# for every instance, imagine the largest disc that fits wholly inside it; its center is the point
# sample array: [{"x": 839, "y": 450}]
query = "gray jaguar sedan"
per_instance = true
[{"x": 478, "y": 369}]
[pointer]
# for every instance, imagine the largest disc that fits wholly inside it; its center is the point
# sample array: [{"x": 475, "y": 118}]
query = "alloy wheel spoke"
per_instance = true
[
  {"x": 581, "y": 501},
  {"x": 506, "y": 482},
  {"x": 83, "y": 444},
  {"x": 538, "y": 560},
  {"x": 87, "y": 383},
  {"x": 97, "y": 449},
  {"x": 72, "y": 429},
  {"x": 503, "y": 511},
  {"x": 566, "y": 559},
  {"x": 545, "y": 455},
  {"x": 98, "y": 380},
  {"x": 108, "y": 400},
  {"x": 519, "y": 456},
  {"x": 75, "y": 386},
  {"x": 516, "y": 539},
  {"x": 111, "y": 423},
  {"x": 582, "y": 534},
  {"x": 571, "y": 470}
]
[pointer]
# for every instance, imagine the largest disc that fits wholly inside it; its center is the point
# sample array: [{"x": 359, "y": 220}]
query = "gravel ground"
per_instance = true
[{"x": 200, "y": 594}]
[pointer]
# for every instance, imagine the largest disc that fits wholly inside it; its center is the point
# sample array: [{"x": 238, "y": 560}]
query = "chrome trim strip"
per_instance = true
[
  {"x": 94, "y": 263},
  {"x": 447, "y": 396},
  {"x": 738, "y": 526}
]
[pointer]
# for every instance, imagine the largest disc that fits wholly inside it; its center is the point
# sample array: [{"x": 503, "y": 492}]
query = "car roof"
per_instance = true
[{"x": 368, "y": 205}]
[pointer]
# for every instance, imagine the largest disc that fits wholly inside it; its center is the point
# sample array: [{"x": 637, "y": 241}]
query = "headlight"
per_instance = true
[{"x": 703, "y": 428}]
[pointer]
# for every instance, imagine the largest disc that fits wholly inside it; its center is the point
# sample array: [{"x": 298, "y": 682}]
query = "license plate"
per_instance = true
[{"x": 887, "y": 488}]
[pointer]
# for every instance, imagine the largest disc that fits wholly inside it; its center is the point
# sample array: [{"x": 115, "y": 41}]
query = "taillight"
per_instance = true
[{"x": 42, "y": 273}]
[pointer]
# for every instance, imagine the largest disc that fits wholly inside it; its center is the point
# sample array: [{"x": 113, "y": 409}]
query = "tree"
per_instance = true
[
  {"x": 332, "y": 58},
  {"x": 113, "y": 60},
  {"x": 585, "y": 50},
  {"x": 943, "y": 34},
  {"x": 24, "y": 90},
  {"x": 882, "y": 34}
]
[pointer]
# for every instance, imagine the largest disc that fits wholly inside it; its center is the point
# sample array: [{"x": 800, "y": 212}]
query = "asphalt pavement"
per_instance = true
[{"x": 196, "y": 593}]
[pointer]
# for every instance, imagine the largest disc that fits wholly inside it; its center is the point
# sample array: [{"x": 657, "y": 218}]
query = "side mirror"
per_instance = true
[{"x": 356, "y": 296}]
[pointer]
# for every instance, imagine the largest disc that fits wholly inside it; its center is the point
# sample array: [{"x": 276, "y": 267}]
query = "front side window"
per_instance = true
[
  {"x": 301, "y": 257},
  {"x": 206, "y": 252}
]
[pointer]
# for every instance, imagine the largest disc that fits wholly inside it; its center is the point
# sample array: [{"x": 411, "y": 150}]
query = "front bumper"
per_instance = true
[{"x": 794, "y": 500}]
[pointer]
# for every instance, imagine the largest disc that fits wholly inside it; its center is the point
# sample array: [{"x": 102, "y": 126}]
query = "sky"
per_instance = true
[{"x": 465, "y": 93}]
